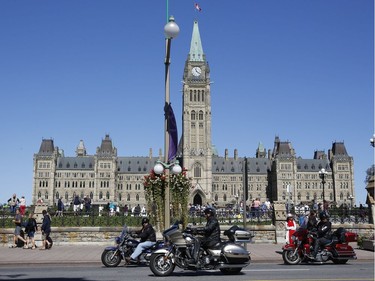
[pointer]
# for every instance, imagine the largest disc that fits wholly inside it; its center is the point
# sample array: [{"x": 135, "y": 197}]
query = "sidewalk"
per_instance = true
[{"x": 76, "y": 254}]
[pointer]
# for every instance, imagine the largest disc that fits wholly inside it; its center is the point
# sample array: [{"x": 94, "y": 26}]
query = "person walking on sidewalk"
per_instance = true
[
  {"x": 46, "y": 230},
  {"x": 18, "y": 228},
  {"x": 30, "y": 229}
]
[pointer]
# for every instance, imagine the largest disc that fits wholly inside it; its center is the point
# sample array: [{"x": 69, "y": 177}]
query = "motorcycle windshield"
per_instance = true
[{"x": 124, "y": 231}]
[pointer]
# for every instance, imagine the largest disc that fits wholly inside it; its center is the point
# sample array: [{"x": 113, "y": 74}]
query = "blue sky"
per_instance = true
[{"x": 302, "y": 70}]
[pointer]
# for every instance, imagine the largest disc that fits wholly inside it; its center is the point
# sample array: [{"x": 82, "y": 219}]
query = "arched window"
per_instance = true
[
  {"x": 91, "y": 195},
  {"x": 193, "y": 115},
  {"x": 107, "y": 195},
  {"x": 46, "y": 195},
  {"x": 66, "y": 196},
  {"x": 119, "y": 197},
  {"x": 197, "y": 171},
  {"x": 57, "y": 196},
  {"x": 128, "y": 197},
  {"x": 100, "y": 195},
  {"x": 200, "y": 115},
  {"x": 225, "y": 197},
  {"x": 137, "y": 197}
]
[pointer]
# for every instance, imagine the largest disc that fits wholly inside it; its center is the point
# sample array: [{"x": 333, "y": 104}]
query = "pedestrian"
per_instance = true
[
  {"x": 60, "y": 208},
  {"x": 30, "y": 229},
  {"x": 291, "y": 227},
  {"x": 18, "y": 228},
  {"x": 13, "y": 203},
  {"x": 46, "y": 231},
  {"x": 76, "y": 205},
  {"x": 137, "y": 210},
  {"x": 87, "y": 204},
  {"x": 22, "y": 205}
]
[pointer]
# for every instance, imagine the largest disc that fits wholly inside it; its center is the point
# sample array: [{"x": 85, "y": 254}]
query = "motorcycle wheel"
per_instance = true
[
  {"x": 110, "y": 258},
  {"x": 290, "y": 258},
  {"x": 335, "y": 261},
  {"x": 160, "y": 265},
  {"x": 230, "y": 271}
]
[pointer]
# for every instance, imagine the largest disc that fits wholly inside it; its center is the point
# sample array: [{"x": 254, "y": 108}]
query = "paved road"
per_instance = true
[
  {"x": 262, "y": 271},
  {"x": 68, "y": 254}
]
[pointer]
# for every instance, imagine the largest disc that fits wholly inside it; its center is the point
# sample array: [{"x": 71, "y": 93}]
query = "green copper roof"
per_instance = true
[
  {"x": 196, "y": 50},
  {"x": 261, "y": 147}
]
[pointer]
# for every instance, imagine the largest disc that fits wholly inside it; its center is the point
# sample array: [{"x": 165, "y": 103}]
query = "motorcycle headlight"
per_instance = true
[
  {"x": 117, "y": 240},
  {"x": 188, "y": 240}
]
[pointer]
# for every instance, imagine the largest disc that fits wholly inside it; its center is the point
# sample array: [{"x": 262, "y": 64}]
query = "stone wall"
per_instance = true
[{"x": 106, "y": 235}]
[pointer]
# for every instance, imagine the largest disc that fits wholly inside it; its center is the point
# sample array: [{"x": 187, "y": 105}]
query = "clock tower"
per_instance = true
[{"x": 196, "y": 119}]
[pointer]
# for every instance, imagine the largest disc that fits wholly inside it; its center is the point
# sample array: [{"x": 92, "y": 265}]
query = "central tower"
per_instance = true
[{"x": 196, "y": 120}]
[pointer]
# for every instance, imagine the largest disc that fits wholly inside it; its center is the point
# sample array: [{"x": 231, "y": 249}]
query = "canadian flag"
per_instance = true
[{"x": 198, "y": 7}]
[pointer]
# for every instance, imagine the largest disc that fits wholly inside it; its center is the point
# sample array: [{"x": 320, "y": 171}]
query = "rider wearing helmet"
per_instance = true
[
  {"x": 148, "y": 239},
  {"x": 323, "y": 233},
  {"x": 210, "y": 232}
]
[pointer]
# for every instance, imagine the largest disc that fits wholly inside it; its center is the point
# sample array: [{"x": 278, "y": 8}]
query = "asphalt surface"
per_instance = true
[{"x": 91, "y": 253}]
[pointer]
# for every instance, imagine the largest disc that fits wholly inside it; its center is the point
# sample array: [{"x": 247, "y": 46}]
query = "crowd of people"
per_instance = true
[{"x": 25, "y": 226}]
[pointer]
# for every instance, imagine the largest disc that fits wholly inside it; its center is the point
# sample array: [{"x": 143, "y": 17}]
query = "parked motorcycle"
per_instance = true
[
  {"x": 227, "y": 256},
  {"x": 125, "y": 246},
  {"x": 338, "y": 250}
]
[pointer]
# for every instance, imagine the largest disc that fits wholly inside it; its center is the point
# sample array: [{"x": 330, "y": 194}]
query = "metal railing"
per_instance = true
[{"x": 107, "y": 219}]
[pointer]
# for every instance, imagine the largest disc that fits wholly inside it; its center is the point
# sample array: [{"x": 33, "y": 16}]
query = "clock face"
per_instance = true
[{"x": 196, "y": 71}]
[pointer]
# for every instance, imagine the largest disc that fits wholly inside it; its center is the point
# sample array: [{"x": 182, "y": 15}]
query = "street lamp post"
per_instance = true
[
  {"x": 171, "y": 31},
  {"x": 322, "y": 174}
]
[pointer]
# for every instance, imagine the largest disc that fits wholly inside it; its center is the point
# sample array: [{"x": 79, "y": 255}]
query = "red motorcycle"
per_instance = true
[{"x": 338, "y": 250}]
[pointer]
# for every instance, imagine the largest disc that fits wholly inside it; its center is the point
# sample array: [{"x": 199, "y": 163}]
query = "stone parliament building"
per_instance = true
[{"x": 106, "y": 177}]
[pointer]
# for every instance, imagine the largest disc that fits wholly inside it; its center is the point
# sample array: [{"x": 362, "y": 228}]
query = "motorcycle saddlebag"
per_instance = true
[
  {"x": 238, "y": 235},
  {"x": 235, "y": 254}
]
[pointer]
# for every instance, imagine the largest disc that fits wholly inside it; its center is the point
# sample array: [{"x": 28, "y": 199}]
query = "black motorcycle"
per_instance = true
[
  {"x": 227, "y": 256},
  {"x": 125, "y": 246}
]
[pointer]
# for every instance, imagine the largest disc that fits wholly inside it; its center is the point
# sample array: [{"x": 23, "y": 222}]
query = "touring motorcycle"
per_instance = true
[
  {"x": 337, "y": 250},
  {"x": 125, "y": 246},
  {"x": 227, "y": 256}
]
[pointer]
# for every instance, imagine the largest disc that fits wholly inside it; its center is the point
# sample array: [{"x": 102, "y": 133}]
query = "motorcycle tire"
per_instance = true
[
  {"x": 230, "y": 271},
  {"x": 290, "y": 258},
  {"x": 335, "y": 261},
  {"x": 110, "y": 258},
  {"x": 160, "y": 265}
]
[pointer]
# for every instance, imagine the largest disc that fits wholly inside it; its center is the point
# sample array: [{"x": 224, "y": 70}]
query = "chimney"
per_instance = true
[
  {"x": 150, "y": 154},
  {"x": 235, "y": 154},
  {"x": 226, "y": 154}
]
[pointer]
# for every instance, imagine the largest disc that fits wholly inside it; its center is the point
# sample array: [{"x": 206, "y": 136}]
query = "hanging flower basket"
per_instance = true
[{"x": 154, "y": 186}]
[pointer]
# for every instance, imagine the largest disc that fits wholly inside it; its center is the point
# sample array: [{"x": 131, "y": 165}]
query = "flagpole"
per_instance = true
[{"x": 167, "y": 6}]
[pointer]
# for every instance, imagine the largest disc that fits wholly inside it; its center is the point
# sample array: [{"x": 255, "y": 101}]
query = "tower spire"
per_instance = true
[{"x": 196, "y": 50}]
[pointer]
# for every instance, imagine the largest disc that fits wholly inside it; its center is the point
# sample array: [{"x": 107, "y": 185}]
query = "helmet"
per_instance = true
[
  {"x": 145, "y": 220},
  {"x": 210, "y": 211},
  {"x": 323, "y": 216},
  {"x": 289, "y": 215}
]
